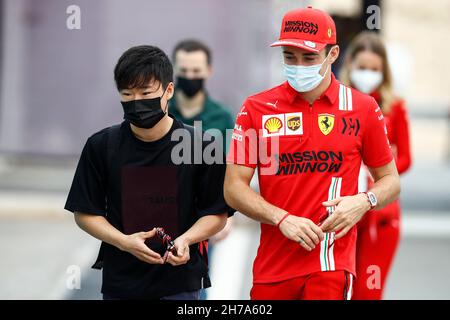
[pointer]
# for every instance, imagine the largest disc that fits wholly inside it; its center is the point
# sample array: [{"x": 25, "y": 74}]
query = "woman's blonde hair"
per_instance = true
[{"x": 370, "y": 41}]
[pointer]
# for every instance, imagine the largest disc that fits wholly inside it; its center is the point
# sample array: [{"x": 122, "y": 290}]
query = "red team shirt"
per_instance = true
[
  {"x": 320, "y": 148},
  {"x": 397, "y": 125}
]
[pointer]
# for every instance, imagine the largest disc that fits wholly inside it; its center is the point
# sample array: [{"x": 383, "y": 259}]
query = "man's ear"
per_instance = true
[
  {"x": 210, "y": 71},
  {"x": 334, "y": 53},
  {"x": 169, "y": 90}
]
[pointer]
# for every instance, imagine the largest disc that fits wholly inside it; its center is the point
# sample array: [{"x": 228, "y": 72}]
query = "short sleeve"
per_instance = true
[
  {"x": 209, "y": 188},
  {"x": 87, "y": 193},
  {"x": 400, "y": 126},
  {"x": 376, "y": 150},
  {"x": 243, "y": 148}
]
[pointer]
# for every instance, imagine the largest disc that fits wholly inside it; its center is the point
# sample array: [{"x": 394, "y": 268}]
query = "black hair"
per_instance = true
[
  {"x": 141, "y": 64},
  {"x": 191, "y": 45},
  {"x": 328, "y": 49}
]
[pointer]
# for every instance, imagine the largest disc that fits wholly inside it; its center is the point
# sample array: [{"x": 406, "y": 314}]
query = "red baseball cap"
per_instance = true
[{"x": 307, "y": 28}]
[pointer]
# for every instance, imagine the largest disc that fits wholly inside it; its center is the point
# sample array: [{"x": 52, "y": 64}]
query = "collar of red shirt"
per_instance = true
[{"x": 331, "y": 93}]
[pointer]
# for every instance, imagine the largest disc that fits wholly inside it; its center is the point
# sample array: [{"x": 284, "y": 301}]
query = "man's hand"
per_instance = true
[
  {"x": 349, "y": 210},
  {"x": 301, "y": 230},
  {"x": 183, "y": 256},
  {"x": 135, "y": 244}
]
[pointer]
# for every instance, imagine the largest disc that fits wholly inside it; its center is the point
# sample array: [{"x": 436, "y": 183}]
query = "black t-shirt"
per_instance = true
[{"x": 136, "y": 186}]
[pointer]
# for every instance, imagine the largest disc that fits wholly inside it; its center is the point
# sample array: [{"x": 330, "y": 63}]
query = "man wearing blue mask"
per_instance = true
[{"x": 312, "y": 133}]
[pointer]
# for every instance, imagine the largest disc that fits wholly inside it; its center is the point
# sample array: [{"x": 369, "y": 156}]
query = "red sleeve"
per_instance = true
[
  {"x": 244, "y": 141},
  {"x": 376, "y": 150},
  {"x": 400, "y": 137}
]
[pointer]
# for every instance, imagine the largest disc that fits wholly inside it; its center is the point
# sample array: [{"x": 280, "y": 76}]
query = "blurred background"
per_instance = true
[{"x": 57, "y": 88}]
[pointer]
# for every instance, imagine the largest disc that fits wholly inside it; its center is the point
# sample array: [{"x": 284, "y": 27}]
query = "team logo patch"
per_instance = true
[
  {"x": 294, "y": 123},
  {"x": 309, "y": 44},
  {"x": 350, "y": 126},
  {"x": 272, "y": 104},
  {"x": 300, "y": 26},
  {"x": 236, "y": 136},
  {"x": 242, "y": 112},
  {"x": 326, "y": 123},
  {"x": 329, "y": 32},
  {"x": 273, "y": 125}
]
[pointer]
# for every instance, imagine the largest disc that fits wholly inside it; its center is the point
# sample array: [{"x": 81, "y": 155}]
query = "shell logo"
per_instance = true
[{"x": 273, "y": 125}]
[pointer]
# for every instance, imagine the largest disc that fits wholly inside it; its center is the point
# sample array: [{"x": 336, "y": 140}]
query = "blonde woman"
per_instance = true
[{"x": 366, "y": 68}]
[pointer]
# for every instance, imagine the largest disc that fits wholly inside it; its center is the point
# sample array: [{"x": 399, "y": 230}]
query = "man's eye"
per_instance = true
[
  {"x": 126, "y": 94},
  {"x": 146, "y": 93}
]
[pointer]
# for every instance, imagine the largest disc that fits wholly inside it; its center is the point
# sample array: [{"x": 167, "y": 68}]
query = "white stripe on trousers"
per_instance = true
[{"x": 350, "y": 288}]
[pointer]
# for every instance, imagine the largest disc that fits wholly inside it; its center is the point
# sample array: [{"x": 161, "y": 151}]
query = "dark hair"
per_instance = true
[
  {"x": 141, "y": 64},
  {"x": 191, "y": 45},
  {"x": 328, "y": 48}
]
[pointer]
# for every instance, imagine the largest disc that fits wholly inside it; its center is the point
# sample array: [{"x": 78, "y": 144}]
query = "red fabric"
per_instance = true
[
  {"x": 375, "y": 250},
  {"x": 332, "y": 285},
  {"x": 398, "y": 132},
  {"x": 379, "y": 231},
  {"x": 397, "y": 124},
  {"x": 203, "y": 248},
  {"x": 307, "y": 28},
  {"x": 308, "y": 164}
]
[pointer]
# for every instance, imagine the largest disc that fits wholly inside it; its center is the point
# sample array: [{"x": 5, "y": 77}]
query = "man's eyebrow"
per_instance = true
[
  {"x": 310, "y": 54},
  {"x": 306, "y": 54},
  {"x": 140, "y": 88}
]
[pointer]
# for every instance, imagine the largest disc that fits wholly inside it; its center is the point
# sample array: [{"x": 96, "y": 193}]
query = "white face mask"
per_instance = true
[
  {"x": 366, "y": 81},
  {"x": 304, "y": 78}
]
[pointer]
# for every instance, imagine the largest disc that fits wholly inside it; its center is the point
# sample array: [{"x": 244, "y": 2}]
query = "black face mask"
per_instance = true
[
  {"x": 145, "y": 113},
  {"x": 190, "y": 87}
]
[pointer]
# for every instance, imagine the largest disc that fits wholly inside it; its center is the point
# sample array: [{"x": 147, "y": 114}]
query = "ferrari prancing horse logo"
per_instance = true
[{"x": 326, "y": 123}]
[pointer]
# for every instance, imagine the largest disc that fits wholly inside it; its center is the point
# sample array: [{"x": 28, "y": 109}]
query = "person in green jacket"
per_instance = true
[{"x": 191, "y": 102}]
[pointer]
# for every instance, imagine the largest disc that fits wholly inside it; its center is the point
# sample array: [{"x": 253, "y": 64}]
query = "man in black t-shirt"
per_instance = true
[{"x": 134, "y": 177}]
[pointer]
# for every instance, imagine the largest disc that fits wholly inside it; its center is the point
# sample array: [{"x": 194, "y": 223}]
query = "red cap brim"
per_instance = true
[{"x": 299, "y": 44}]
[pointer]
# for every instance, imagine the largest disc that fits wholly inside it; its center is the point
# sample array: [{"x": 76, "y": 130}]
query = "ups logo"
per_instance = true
[{"x": 293, "y": 123}]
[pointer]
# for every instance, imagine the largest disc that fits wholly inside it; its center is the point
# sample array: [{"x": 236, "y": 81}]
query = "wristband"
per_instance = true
[{"x": 282, "y": 219}]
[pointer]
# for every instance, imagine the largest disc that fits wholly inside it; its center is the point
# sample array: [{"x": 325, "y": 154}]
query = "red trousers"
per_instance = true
[
  {"x": 330, "y": 285},
  {"x": 378, "y": 237}
]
